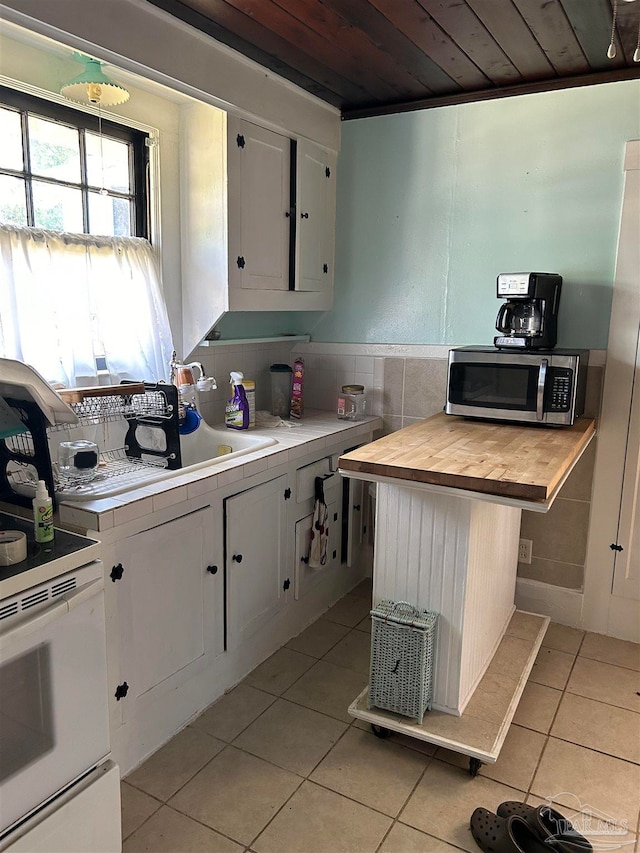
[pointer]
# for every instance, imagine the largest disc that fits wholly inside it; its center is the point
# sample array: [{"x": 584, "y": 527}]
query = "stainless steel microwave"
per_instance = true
[{"x": 533, "y": 387}]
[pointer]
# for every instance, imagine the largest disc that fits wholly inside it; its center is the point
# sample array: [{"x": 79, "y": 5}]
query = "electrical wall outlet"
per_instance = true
[{"x": 524, "y": 550}]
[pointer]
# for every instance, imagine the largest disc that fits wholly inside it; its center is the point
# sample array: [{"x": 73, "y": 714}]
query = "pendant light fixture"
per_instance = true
[
  {"x": 611, "y": 52},
  {"x": 93, "y": 86}
]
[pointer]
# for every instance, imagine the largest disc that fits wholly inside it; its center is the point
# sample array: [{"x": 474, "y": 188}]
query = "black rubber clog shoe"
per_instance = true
[
  {"x": 549, "y": 825},
  {"x": 494, "y": 834}
]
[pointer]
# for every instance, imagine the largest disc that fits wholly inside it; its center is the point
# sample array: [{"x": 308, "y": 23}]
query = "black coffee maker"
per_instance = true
[{"x": 529, "y": 317}]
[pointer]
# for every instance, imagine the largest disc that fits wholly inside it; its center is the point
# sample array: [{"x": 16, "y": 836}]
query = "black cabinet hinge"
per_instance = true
[
  {"x": 327, "y": 172},
  {"x": 121, "y": 691},
  {"x": 287, "y": 494},
  {"x": 240, "y": 140},
  {"x": 325, "y": 268},
  {"x": 240, "y": 262},
  {"x": 286, "y": 584},
  {"x": 116, "y": 573},
  {"x": 615, "y": 547}
]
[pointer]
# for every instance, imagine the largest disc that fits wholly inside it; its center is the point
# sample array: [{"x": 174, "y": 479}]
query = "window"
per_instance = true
[
  {"x": 58, "y": 172},
  {"x": 80, "y": 295}
]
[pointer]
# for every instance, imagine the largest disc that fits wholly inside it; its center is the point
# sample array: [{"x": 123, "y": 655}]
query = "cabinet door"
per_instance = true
[
  {"x": 355, "y": 516},
  {"x": 256, "y": 558},
  {"x": 307, "y": 578},
  {"x": 170, "y": 606},
  {"x": 315, "y": 217},
  {"x": 259, "y": 202}
]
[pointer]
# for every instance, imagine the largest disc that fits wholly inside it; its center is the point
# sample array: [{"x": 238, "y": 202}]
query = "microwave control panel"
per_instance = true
[{"x": 559, "y": 389}]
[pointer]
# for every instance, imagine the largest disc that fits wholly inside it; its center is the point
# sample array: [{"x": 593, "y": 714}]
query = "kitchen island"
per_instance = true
[{"x": 450, "y": 492}]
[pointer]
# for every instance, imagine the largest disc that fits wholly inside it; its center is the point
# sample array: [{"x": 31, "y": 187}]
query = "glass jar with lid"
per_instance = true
[{"x": 351, "y": 403}]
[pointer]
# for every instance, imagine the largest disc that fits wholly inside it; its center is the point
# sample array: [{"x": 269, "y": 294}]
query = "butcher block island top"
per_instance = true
[{"x": 508, "y": 460}]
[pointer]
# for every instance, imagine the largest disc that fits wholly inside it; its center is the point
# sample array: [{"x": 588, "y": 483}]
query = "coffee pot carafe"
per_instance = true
[{"x": 529, "y": 317}]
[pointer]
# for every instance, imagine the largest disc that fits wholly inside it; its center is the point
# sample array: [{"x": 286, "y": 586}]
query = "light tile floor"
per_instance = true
[{"x": 278, "y": 766}]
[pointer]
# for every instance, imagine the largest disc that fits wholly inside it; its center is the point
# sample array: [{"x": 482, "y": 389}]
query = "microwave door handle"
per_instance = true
[{"x": 542, "y": 378}]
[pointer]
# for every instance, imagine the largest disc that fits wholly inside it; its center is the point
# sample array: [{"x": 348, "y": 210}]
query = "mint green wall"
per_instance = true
[{"x": 432, "y": 205}]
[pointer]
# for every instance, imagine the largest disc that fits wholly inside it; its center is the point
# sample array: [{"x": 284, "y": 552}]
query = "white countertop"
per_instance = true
[{"x": 317, "y": 430}]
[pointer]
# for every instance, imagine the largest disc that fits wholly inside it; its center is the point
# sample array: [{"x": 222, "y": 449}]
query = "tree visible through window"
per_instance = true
[{"x": 59, "y": 173}]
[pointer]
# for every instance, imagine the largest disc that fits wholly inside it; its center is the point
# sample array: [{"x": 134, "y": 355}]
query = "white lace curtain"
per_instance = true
[{"x": 67, "y": 298}]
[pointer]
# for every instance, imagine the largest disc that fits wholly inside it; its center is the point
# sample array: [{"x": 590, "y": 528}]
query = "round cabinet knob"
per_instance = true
[
  {"x": 237, "y": 558},
  {"x": 304, "y": 216},
  {"x": 213, "y": 570}
]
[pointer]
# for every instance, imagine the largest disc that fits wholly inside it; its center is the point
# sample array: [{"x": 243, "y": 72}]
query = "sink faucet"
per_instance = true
[{"x": 182, "y": 377}]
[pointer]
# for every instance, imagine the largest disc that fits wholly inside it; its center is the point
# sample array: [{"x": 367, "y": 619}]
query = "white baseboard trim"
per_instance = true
[{"x": 559, "y": 604}]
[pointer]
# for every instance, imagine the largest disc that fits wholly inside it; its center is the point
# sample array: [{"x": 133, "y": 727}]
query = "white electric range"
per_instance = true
[{"x": 59, "y": 791}]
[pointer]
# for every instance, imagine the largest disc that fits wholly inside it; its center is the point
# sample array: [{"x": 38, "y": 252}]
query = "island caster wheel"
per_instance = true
[
  {"x": 474, "y": 765},
  {"x": 380, "y": 731}
]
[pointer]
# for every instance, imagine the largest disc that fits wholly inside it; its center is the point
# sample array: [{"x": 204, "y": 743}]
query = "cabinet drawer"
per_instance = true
[{"x": 306, "y": 478}]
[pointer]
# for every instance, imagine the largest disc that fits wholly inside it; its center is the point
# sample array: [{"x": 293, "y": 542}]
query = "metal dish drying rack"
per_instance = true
[{"x": 140, "y": 404}]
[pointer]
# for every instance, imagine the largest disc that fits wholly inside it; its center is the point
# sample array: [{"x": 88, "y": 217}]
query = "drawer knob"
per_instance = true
[{"x": 237, "y": 558}]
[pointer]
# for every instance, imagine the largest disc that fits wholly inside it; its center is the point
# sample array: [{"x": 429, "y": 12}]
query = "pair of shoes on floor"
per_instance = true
[{"x": 519, "y": 828}]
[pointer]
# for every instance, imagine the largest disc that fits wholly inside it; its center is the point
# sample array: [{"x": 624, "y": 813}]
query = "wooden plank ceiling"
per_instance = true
[{"x": 370, "y": 57}]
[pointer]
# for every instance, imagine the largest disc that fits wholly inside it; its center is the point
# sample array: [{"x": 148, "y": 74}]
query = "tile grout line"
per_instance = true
[
  {"x": 555, "y": 714},
  {"x": 404, "y": 805}
]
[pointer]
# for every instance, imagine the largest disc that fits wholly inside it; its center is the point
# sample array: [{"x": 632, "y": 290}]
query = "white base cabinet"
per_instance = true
[
  {"x": 170, "y": 603},
  {"x": 256, "y": 565},
  {"x": 200, "y": 593}
]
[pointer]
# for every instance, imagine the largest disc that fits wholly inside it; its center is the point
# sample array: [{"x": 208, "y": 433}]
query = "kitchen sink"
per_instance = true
[{"x": 209, "y": 444}]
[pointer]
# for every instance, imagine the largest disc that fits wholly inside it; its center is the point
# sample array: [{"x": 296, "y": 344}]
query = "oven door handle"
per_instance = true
[
  {"x": 54, "y": 611},
  {"x": 542, "y": 380}
]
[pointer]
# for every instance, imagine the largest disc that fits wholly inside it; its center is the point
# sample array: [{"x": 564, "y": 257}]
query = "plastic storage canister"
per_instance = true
[
  {"x": 280, "y": 389},
  {"x": 351, "y": 402}
]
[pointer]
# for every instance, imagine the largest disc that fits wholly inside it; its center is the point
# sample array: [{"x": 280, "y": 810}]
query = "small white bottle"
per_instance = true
[{"x": 43, "y": 513}]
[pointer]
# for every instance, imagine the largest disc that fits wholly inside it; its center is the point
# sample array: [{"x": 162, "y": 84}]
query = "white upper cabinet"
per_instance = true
[
  {"x": 258, "y": 219},
  {"x": 315, "y": 221},
  {"x": 259, "y": 207}
]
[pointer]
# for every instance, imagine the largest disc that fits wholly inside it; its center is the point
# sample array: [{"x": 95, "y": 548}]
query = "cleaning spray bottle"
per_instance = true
[
  {"x": 43, "y": 514},
  {"x": 237, "y": 409}
]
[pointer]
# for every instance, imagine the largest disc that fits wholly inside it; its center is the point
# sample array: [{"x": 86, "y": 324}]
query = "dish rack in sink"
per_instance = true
[{"x": 143, "y": 416}]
